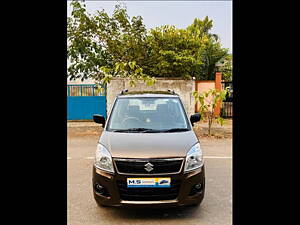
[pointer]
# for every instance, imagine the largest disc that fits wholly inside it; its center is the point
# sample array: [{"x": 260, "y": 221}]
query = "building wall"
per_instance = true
[
  {"x": 203, "y": 86},
  {"x": 184, "y": 88}
]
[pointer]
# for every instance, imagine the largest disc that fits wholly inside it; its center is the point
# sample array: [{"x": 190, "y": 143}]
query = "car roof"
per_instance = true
[{"x": 149, "y": 94}]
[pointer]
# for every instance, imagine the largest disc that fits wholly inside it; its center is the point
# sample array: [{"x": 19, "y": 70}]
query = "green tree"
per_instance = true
[
  {"x": 102, "y": 46},
  {"x": 173, "y": 53},
  {"x": 98, "y": 44},
  {"x": 212, "y": 51},
  {"x": 227, "y": 68},
  {"x": 86, "y": 55}
]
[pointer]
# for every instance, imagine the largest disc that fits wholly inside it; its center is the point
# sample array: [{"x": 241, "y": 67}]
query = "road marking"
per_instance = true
[
  {"x": 218, "y": 157},
  {"x": 89, "y": 157}
]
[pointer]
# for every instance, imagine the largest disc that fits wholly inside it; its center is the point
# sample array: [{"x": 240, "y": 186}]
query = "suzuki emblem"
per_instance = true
[{"x": 148, "y": 167}]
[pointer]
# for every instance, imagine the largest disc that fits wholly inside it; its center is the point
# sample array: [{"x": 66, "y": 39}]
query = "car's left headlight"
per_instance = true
[
  {"x": 103, "y": 160},
  {"x": 194, "y": 158}
]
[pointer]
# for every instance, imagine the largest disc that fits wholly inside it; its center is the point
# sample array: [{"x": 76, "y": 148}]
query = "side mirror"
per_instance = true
[
  {"x": 195, "y": 118},
  {"x": 99, "y": 119}
]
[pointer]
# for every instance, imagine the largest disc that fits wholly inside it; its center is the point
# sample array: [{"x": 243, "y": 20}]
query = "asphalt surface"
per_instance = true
[{"x": 216, "y": 208}]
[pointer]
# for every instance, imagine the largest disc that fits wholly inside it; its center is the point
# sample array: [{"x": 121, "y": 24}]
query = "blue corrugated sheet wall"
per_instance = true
[{"x": 83, "y": 102}]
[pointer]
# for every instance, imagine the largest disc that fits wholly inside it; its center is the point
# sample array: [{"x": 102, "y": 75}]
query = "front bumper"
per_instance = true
[{"x": 112, "y": 198}]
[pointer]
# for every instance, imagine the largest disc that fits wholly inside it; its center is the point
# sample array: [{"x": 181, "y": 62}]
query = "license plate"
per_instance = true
[{"x": 149, "y": 182}]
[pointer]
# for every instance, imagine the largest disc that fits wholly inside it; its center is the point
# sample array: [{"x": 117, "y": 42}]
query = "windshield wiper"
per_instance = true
[
  {"x": 148, "y": 130},
  {"x": 175, "y": 130},
  {"x": 133, "y": 130}
]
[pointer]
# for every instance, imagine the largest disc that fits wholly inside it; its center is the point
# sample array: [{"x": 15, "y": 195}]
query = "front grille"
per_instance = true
[
  {"x": 148, "y": 194},
  {"x": 159, "y": 166}
]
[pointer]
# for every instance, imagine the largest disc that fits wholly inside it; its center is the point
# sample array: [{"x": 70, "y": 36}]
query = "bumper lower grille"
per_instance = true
[
  {"x": 148, "y": 194},
  {"x": 158, "y": 166}
]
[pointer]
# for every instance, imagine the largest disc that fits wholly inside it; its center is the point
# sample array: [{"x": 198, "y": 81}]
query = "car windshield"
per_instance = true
[{"x": 148, "y": 114}]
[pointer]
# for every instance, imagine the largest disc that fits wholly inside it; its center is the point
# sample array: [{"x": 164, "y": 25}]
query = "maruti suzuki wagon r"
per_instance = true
[{"x": 148, "y": 153}]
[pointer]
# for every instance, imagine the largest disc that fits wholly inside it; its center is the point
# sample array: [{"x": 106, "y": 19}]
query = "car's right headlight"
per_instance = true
[
  {"x": 103, "y": 159},
  {"x": 194, "y": 158}
]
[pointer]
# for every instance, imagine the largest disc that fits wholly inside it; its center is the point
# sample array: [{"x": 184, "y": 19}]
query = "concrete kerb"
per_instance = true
[{"x": 82, "y": 128}]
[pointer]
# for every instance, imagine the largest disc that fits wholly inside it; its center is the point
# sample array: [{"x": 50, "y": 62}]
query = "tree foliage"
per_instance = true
[
  {"x": 102, "y": 46},
  {"x": 208, "y": 103},
  {"x": 85, "y": 52},
  {"x": 173, "y": 53},
  {"x": 227, "y": 68},
  {"x": 212, "y": 51}
]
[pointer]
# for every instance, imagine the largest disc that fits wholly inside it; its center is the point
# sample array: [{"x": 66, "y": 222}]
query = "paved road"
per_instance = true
[{"x": 216, "y": 208}]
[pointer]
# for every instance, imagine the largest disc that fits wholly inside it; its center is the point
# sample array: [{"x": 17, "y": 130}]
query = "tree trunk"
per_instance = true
[{"x": 209, "y": 125}]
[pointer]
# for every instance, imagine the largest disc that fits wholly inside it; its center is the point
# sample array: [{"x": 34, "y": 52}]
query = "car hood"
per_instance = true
[{"x": 148, "y": 145}]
